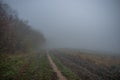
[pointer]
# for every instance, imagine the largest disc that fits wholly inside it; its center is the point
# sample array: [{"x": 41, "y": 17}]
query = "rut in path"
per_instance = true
[{"x": 59, "y": 75}]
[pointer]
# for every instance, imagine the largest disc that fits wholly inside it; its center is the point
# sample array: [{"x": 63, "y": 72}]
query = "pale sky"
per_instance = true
[{"x": 83, "y": 24}]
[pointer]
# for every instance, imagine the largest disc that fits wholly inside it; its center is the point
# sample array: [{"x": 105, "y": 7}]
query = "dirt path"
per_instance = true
[{"x": 59, "y": 75}]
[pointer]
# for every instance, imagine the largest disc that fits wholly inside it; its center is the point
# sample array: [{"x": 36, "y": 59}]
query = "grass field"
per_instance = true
[
  {"x": 27, "y": 67},
  {"x": 73, "y": 64},
  {"x": 64, "y": 70},
  {"x": 88, "y": 66}
]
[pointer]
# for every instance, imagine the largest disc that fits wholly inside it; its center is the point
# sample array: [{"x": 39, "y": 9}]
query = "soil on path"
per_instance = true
[{"x": 58, "y": 72}]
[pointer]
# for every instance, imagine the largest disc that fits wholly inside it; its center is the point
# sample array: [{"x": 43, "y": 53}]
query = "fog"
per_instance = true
[{"x": 81, "y": 24}]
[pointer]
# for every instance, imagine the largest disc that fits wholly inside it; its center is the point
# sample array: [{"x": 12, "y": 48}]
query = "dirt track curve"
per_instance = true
[{"x": 58, "y": 72}]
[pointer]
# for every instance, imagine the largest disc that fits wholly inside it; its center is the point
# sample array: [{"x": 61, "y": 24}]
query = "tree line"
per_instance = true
[{"x": 16, "y": 34}]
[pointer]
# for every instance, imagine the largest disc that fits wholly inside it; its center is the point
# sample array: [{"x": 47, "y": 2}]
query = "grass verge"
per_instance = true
[
  {"x": 64, "y": 70},
  {"x": 33, "y": 66}
]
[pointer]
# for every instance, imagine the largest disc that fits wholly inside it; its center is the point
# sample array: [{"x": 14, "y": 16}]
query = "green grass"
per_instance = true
[
  {"x": 9, "y": 66},
  {"x": 26, "y": 67},
  {"x": 64, "y": 70},
  {"x": 46, "y": 72}
]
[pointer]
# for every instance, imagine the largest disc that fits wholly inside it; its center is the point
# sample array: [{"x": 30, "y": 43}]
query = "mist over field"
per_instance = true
[
  {"x": 81, "y": 24},
  {"x": 59, "y": 39}
]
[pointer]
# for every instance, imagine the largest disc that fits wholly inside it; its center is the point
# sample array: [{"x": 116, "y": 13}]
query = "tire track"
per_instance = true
[{"x": 58, "y": 72}]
